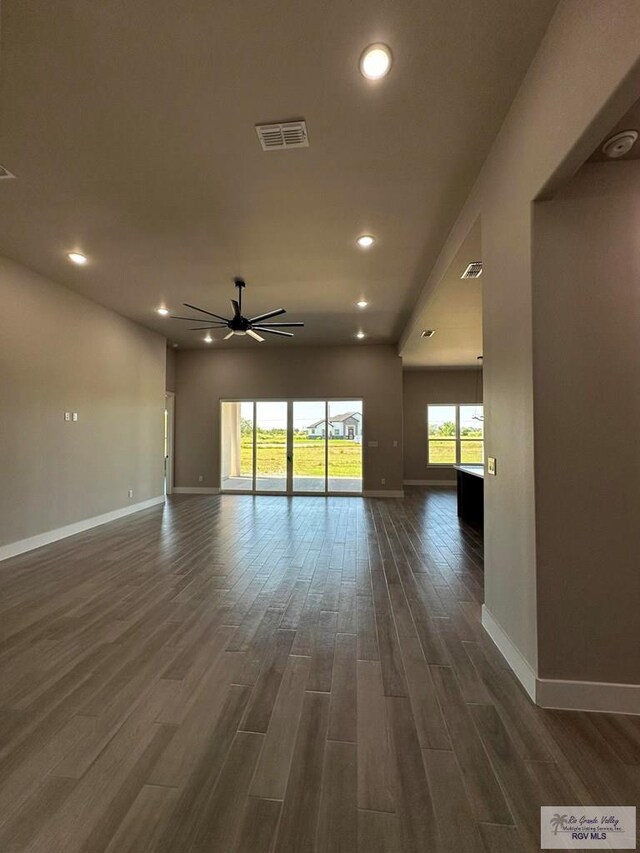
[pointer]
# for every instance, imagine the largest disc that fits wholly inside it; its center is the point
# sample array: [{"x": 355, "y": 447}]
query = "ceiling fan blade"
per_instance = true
[
  {"x": 205, "y": 328},
  {"x": 274, "y": 332},
  {"x": 195, "y": 308},
  {"x": 236, "y": 308},
  {"x": 254, "y": 335},
  {"x": 197, "y": 320},
  {"x": 226, "y": 337},
  {"x": 266, "y": 316},
  {"x": 264, "y": 325}
]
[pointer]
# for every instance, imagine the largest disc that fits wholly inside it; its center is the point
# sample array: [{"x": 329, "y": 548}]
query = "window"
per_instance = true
[{"x": 455, "y": 434}]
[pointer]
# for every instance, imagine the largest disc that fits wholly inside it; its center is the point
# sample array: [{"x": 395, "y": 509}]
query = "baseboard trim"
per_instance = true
[
  {"x": 196, "y": 490},
  {"x": 451, "y": 484},
  {"x": 210, "y": 490},
  {"x": 559, "y": 694},
  {"x": 14, "y": 549},
  {"x": 607, "y": 697},
  {"x": 521, "y": 667}
]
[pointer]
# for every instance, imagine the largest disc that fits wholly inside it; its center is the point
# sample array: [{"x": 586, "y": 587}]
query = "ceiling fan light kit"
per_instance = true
[{"x": 240, "y": 325}]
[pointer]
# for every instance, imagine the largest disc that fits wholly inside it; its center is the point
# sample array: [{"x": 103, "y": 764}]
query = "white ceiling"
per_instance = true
[{"x": 130, "y": 128}]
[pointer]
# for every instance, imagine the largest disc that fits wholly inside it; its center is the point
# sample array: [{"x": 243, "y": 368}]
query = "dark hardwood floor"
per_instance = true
[{"x": 269, "y": 674}]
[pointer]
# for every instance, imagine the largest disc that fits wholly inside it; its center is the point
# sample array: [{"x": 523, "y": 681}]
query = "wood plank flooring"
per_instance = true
[{"x": 278, "y": 675}]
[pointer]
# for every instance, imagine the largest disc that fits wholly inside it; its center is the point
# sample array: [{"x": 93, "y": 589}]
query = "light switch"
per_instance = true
[
  {"x": 67, "y": 416},
  {"x": 74, "y": 416},
  {"x": 491, "y": 465}
]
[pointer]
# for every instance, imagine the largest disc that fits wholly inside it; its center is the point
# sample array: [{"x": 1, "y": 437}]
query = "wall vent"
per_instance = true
[
  {"x": 5, "y": 173},
  {"x": 427, "y": 333},
  {"x": 290, "y": 134},
  {"x": 474, "y": 270}
]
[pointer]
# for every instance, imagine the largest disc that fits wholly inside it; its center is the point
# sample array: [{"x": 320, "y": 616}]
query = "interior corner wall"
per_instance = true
[
  {"x": 422, "y": 387},
  {"x": 170, "y": 375},
  {"x": 61, "y": 352},
  {"x": 586, "y": 337},
  {"x": 203, "y": 378}
]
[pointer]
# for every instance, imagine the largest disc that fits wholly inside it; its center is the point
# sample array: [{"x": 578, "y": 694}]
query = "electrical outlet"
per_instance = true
[
  {"x": 130, "y": 493},
  {"x": 67, "y": 416},
  {"x": 383, "y": 481},
  {"x": 395, "y": 443},
  {"x": 200, "y": 478}
]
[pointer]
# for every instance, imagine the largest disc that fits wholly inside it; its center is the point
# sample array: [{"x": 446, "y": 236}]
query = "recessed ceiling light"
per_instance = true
[
  {"x": 375, "y": 61},
  {"x": 208, "y": 339},
  {"x": 360, "y": 335},
  {"x": 163, "y": 311},
  {"x": 366, "y": 241},
  {"x": 77, "y": 258},
  {"x": 362, "y": 303}
]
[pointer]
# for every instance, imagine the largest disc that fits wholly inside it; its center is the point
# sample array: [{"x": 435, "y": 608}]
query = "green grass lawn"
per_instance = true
[
  {"x": 345, "y": 457},
  {"x": 443, "y": 452}
]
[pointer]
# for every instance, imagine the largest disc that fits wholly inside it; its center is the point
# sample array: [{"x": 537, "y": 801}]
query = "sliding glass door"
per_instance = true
[
  {"x": 291, "y": 446},
  {"x": 308, "y": 445},
  {"x": 237, "y": 448},
  {"x": 271, "y": 438},
  {"x": 344, "y": 446}
]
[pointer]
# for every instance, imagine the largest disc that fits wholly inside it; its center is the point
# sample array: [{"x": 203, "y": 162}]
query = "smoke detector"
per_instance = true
[
  {"x": 5, "y": 173},
  {"x": 620, "y": 144},
  {"x": 474, "y": 270},
  {"x": 427, "y": 333},
  {"x": 290, "y": 134}
]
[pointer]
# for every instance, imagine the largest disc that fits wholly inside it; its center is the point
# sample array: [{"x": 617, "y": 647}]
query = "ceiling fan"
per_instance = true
[{"x": 239, "y": 325}]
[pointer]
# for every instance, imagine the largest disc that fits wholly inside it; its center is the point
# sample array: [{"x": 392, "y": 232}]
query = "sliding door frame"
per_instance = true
[{"x": 289, "y": 491}]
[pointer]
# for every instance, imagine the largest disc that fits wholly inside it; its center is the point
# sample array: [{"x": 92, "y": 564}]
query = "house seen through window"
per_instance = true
[{"x": 455, "y": 434}]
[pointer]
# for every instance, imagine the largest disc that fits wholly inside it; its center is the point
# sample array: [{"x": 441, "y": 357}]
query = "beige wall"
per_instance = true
[
  {"x": 60, "y": 352},
  {"x": 421, "y": 387},
  {"x": 586, "y": 336},
  {"x": 170, "y": 379},
  {"x": 576, "y": 89},
  {"x": 203, "y": 378}
]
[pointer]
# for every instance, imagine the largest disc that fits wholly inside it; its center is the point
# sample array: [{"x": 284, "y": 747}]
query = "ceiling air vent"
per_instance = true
[
  {"x": 427, "y": 333},
  {"x": 474, "y": 270},
  {"x": 290, "y": 134},
  {"x": 5, "y": 173}
]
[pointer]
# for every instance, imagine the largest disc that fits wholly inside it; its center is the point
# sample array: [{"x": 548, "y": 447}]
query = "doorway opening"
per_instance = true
[
  {"x": 291, "y": 446},
  {"x": 169, "y": 416}
]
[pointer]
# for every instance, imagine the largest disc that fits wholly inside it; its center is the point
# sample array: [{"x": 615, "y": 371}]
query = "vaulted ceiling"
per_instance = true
[
  {"x": 454, "y": 312},
  {"x": 130, "y": 129}
]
